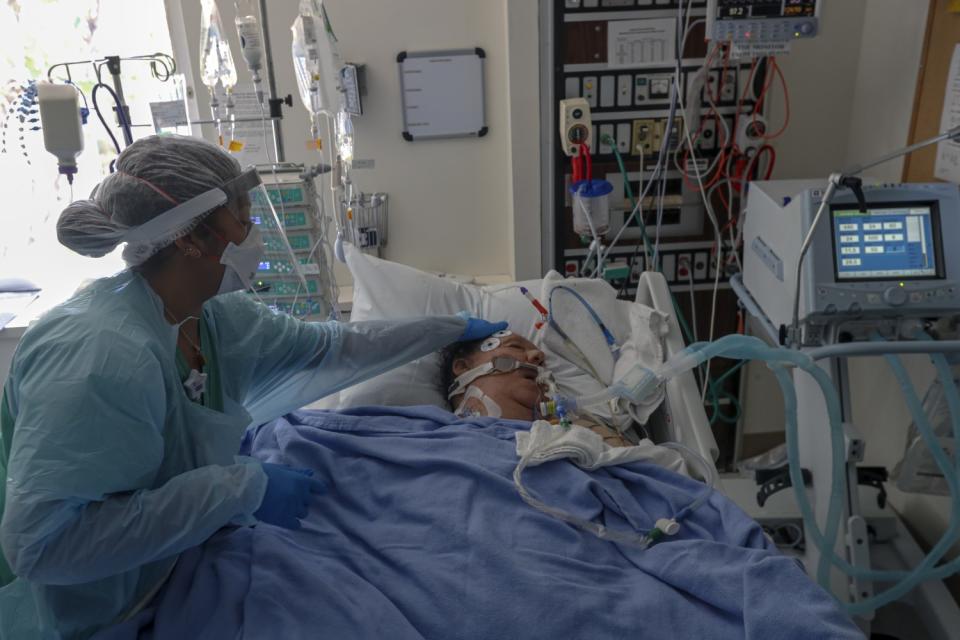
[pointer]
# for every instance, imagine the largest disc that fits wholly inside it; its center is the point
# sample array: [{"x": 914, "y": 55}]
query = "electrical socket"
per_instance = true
[
  {"x": 701, "y": 265},
  {"x": 647, "y": 137},
  {"x": 728, "y": 92}
]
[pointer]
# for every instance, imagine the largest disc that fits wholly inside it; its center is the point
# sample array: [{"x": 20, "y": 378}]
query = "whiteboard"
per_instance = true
[{"x": 442, "y": 94}]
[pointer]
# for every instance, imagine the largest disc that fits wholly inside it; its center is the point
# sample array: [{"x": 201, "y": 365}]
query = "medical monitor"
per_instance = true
[
  {"x": 893, "y": 241},
  {"x": 898, "y": 259}
]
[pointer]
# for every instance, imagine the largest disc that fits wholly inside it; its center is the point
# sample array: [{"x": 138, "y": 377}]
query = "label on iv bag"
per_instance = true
[{"x": 168, "y": 114}]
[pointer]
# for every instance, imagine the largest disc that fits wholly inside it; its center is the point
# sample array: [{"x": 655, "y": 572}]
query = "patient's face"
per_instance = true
[{"x": 517, "y": 391}]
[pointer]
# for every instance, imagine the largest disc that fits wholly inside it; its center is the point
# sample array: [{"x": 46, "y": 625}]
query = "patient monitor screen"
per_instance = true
[{"x": 889, "y": 242}]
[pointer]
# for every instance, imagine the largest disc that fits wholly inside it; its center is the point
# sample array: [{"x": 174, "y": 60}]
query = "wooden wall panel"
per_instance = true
[{"x": 943, "y": 34}]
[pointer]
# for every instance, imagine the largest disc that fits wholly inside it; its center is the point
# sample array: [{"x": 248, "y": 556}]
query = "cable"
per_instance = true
[
  {"x": 662, "y": 158},
  {"x": 586, "y": 214},
  {"x": 786, "y": 102},
  {"x": 713, "y": 114},
  {"x": 716, "y": 226},
  {"x": 661, "y": 194},
  {"x": 606, "y": 139},
  {"x": 630, "y": 263},
  {"x": 96, "y": 107},
  {"x": 693, "y": 311}
]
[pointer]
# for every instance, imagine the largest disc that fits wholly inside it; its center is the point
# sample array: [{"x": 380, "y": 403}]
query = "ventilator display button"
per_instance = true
[{"x": 895, "y": 296}]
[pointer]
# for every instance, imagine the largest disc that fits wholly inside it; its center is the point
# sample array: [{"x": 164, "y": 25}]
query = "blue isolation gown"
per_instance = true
[{"x": 111, "y": 471}]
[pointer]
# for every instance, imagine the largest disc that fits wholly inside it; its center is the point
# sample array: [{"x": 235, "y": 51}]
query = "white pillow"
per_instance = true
[{"x": 384, "y": 290}]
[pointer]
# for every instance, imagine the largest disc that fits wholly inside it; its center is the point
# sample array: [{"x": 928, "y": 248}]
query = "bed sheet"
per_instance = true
[{"x": 423, "y": 535}]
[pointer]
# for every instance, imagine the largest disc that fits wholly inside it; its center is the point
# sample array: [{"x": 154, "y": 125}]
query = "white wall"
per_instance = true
[
  {"x": 851, "y": 89},
  {"x": 890, "y": 53},
  {"x": 523, "y": 70},
  {"x": 451, "y": 201}
]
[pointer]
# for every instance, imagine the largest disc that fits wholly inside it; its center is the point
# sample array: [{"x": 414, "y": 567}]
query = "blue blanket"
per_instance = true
[{"x": 423, "y": 535}]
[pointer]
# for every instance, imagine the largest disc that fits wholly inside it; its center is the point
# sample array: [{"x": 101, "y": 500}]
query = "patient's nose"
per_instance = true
[{"x": 535, "y": 356}]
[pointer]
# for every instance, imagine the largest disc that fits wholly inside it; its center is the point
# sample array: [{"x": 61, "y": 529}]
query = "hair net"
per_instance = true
[{"x": 153, "y": 175}]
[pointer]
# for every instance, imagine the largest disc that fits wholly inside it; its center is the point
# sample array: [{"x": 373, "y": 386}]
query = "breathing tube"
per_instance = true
[
  {"x": 906, "y": 580},
  {"x": 639, "y": 383}
]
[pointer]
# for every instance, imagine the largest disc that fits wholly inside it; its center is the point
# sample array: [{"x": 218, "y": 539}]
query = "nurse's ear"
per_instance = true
[
  {"x": 187, "y": 247},
  {"x": 200, "y": 242}
]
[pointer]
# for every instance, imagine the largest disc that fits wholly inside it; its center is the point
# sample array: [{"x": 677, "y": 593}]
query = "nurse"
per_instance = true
[{"x": 125, "y": 405}]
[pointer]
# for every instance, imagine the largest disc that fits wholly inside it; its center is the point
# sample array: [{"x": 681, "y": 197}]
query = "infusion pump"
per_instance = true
[{"x": 865, "y": 270}]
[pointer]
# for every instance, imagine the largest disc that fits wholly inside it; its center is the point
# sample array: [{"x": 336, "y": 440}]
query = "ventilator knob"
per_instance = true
[{"x": 895, "y": 296}]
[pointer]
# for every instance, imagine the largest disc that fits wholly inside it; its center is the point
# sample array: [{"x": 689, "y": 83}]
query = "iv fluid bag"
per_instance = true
[
  {"x": 305, "y": 62},
  {"x": 345, "y": 138},
  {"x": 316, "y": 60},
  {"x": 216, "y": 61}
]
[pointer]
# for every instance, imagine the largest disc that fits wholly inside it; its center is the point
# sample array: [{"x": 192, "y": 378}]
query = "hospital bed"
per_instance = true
[{"x": 681, "y": 418}]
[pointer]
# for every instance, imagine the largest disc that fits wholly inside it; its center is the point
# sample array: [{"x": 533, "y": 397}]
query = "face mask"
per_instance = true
[{"x": 241, "y": 261}]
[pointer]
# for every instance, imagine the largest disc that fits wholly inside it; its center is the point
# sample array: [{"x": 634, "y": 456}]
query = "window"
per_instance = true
[{"x": 37, "y": 35}]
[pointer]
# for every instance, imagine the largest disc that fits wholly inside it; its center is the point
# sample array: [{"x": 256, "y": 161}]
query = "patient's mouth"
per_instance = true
[{"x": 529, "y": 374}]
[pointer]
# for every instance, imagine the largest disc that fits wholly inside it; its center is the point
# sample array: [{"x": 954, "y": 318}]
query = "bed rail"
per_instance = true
[{"x": 681, "y": 418}]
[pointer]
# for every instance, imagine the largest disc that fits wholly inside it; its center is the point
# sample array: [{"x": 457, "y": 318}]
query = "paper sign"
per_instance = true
[
  {"x": 948, "y": 152},
  {"x": 168, "y": 114},
  {"x": 632, "y": 43}
]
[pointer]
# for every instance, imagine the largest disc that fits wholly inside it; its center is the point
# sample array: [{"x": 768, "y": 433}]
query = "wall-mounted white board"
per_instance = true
[{"x": 442, "y": 93}]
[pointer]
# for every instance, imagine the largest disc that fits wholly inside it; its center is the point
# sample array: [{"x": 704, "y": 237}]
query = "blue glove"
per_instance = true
[
  {"x": 478, "y": 329},
  {"x": 288, "y": 495}
]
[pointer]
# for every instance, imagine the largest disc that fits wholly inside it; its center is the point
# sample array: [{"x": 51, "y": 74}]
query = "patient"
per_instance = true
[{"x": 514, "y": 395}]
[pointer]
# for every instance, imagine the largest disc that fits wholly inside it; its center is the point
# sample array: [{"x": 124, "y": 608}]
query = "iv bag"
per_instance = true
[
  {"x": 216, "y": 61},
  {"x": 345, "y": 138},
  {"x": 316, "y": 60},
  {"x": 305, "y": 65}
]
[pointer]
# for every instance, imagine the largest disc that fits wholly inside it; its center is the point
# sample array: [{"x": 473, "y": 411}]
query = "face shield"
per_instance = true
[{"x": 264, "y": 262}]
